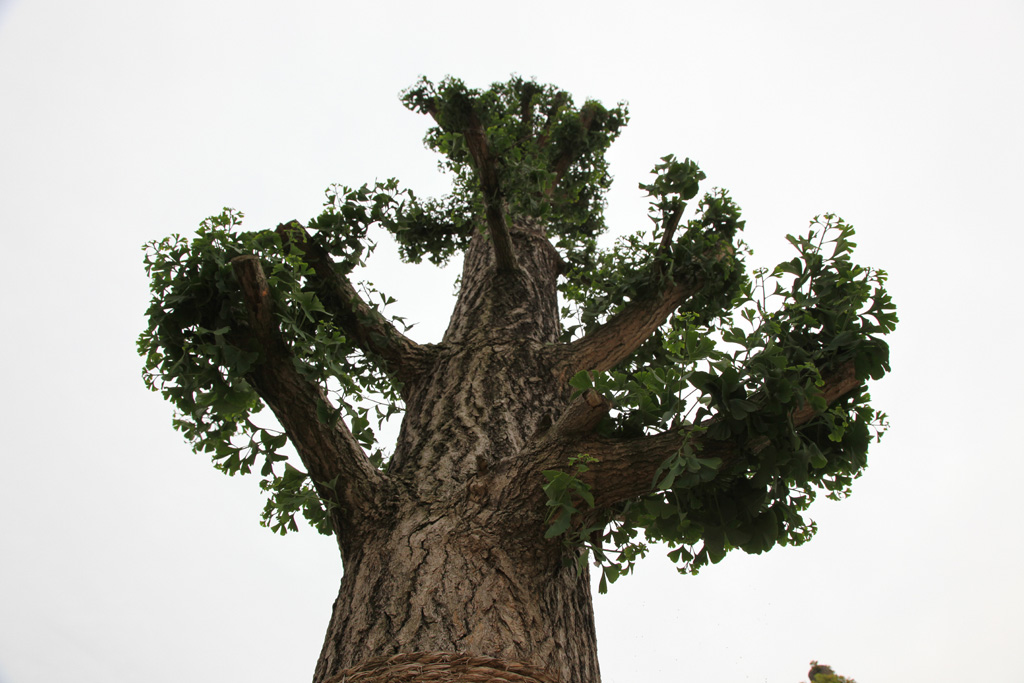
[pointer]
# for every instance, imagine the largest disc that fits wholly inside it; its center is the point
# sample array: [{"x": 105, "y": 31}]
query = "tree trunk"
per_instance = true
[{"x": 454, "y": 558}]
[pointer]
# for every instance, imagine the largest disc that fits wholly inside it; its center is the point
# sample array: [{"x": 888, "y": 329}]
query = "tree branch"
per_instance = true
[
  {"x": 487, "y": 172},
  {"x": 670, "y": 230},
  {"x": 581, "y": 416},
  {"x": 623, "y": 333},
  {"x": 562, "y": 163},
  {"x": 620, "y": 335},
  {"x": 328, "y": 451},
  {"x": 400, "y": 356},
  {"x": 544, "y": 137},
  {"x": 625, "y": 468}
]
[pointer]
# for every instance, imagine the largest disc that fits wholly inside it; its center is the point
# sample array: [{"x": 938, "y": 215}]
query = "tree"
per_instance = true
[
  {"x": 823, "y": 673},
  {"x": 583, "y": 402}
]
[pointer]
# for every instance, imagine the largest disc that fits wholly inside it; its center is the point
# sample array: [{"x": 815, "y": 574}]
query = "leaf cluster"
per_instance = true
[
  {"x": 822, "y": 673},
  {"x": 200, "y": 353},
  {"x": 719, "y": 379},
  {"x": 641, "y": 265},
  {"x": 565, "y": 492},
  {"x": 548, "y": 154}
]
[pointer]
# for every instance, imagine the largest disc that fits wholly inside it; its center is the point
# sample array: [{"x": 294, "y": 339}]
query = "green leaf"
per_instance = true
[
  {"x": 559, "y": 524},
  {"x": 581, "y": 381}
]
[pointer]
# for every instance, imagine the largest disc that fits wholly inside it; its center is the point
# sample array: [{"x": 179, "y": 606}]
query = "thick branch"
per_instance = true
[
  {"x": 328, "y": 451},
  {"x": 622, "y": 334},
  {"x": 625, "y": 468},
  {"x": 837, "y": 384},
  {"x": 581, "y": 416},
  {"x": 401, "y": 357},
  {"x": 487, "y": 172},
  {"x": 612, "y": 342}
]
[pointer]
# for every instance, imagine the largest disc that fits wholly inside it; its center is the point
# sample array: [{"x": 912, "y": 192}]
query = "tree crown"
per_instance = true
[{"x": 749, "y": 388}]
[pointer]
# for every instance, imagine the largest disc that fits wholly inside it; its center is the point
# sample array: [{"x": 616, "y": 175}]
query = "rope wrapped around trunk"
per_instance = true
[{"x": 441, "y": 667}]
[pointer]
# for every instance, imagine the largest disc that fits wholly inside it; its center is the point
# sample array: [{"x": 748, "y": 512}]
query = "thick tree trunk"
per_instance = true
[
  {"x": 454, "y": 558},
  {"x": 453, "y": 583}
]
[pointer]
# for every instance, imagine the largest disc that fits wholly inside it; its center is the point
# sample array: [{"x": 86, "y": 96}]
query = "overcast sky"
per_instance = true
[{"x": 125, "y": 557}]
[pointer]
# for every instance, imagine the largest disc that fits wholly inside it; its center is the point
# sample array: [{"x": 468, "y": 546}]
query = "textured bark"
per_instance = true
[{"x": 456, "y": 560}]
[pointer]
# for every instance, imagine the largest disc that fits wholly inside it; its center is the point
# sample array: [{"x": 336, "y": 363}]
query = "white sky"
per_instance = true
[{"x": 125, "y": 557}]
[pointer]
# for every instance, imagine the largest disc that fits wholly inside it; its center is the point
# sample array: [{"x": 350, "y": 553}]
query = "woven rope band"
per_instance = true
[{"x": 441, "y": 667}]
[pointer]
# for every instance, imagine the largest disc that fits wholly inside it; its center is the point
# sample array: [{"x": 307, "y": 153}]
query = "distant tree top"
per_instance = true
[{"x": 822, "y": 673}]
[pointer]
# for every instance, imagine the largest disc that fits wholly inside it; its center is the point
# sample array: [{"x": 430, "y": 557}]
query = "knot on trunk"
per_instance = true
[{"x": 441, "y": 667}]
